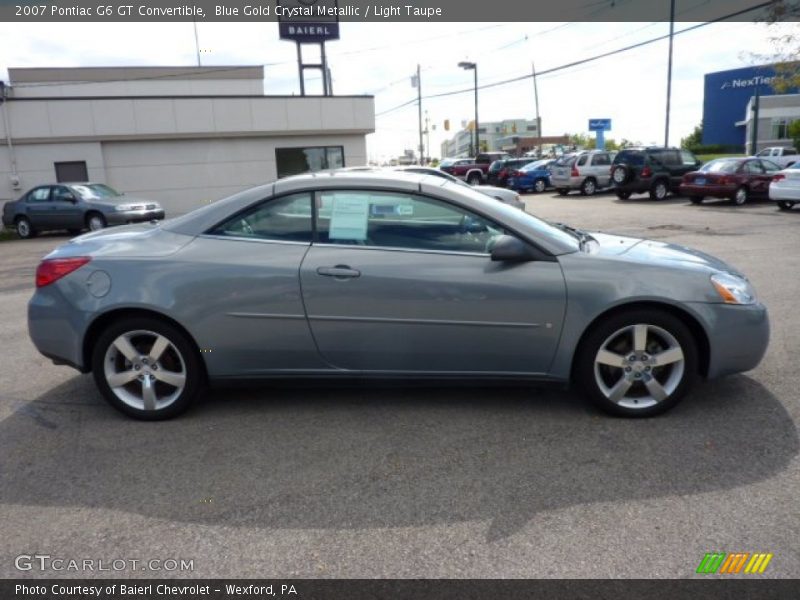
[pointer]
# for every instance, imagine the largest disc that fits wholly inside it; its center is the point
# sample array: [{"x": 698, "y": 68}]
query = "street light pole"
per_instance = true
[
  {"x": 669, "y": 70},
  {"x": 474, "y": 67}
]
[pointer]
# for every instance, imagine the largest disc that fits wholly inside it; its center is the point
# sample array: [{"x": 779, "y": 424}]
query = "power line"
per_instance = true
[{"x": 585, "y": 60}]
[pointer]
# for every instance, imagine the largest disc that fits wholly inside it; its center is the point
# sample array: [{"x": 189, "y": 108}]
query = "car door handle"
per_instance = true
[{"x": 339, "y": 271}]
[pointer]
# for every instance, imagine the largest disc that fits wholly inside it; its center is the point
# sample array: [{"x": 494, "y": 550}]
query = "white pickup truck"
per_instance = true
[{"x": 784, "y": 157}]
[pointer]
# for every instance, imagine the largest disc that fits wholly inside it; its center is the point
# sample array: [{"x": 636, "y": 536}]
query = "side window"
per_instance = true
[
  {"x": 753, "y": 167},
  {"x": 62, "y": 194},
  {"x": 582, "y": 160},
  {"x": 770, "y": 167},
  {"x": 41, "y": 194},
  {"x": 400, "y": 220},
  {"x": 688, "y": 158},
  {"x": 283, "y": 219},
  {"x": 600, "y": 160},
  {"x": 671, "y": 158}
]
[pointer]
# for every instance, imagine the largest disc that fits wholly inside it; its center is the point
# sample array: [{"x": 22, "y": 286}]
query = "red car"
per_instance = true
[{"x": 737, "y": 179}]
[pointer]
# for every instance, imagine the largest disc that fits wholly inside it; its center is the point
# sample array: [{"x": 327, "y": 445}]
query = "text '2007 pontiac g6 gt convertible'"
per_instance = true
[{"x": 395, "y": 275}]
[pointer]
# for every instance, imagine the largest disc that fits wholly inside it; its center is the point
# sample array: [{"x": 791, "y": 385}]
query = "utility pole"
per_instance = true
[
  {"x": 536, "y": 99},
  {"x": 427, "y": 137},
  {"x": 669, "y": 69},
  {"x": 754, "y": 138},
  {"x": 419, "y": 116}
]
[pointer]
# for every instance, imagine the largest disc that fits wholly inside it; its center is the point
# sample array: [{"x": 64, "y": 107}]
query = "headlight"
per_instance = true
[
  {"x": 733, "y": 289},
  {"x": 124, "y": 207}
]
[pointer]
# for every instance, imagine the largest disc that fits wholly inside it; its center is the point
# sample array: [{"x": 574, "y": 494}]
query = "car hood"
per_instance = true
[
  {"x": 654, "y": 252},
  {"x": 139, "y": 240}
]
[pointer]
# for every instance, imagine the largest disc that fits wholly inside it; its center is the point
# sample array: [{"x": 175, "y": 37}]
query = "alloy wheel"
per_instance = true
[
  {"x": 145, "y": 370},
  {"x": 741, "y": 196},
  {"x": 96, "y": 223},
  {"x": 539, "y": 186},
  {"x": 23, "y": 228},
  {"x": 639, "y": 366}
]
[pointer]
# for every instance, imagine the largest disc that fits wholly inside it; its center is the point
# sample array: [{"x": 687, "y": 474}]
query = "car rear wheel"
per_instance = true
[
  {"x": 562, "y": 191},
  {"x": 741, "y": 196},
  {"x": 95, "y": 221},
  {"x": 146, "y": 368},
  {"x": 659, "y": 190},
  {"x": 696, "y": 199},
  {"x": 637, "y": 364},
  {"x": 539, "y": 186},
  {"x": 623, "y": 195},
  {"x": 785, "y": 204},
  {"x": 24, "y": 228},
  {"x": 588, "y": 187}
]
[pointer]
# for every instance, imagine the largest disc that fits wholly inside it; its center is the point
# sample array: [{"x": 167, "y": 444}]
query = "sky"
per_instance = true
[{"x": 380, "y": 58}]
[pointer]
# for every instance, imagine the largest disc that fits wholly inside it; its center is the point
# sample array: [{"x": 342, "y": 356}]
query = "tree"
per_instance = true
[
  {"x": 694, "y": 139},
  {"x": 794, "y": 133},
  {"x": 611, "y": 144},
  {"x": 786, "y": 45}
]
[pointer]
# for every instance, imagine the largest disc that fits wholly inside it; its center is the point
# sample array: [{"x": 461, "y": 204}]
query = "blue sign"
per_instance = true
[
  {"x": 599, "y": 124},
  {"x": 725, "y": 101}
]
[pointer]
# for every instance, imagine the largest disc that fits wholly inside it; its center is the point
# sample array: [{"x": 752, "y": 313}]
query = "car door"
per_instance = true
[
  {"x": 400, "y": 282},
  {"x": 242, "y": 290},
  {"x": 65, "y": 211},
  {"x": 601, "y": 168},
  {"x": 757, "y": 179},
  {"x": 38, "y": 207}
]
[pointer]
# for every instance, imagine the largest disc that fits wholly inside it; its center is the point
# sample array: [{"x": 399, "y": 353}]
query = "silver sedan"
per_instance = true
[{"x": 349, "y": 274}]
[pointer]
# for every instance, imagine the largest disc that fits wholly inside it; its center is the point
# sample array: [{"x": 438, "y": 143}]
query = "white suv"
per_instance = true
[{"x": 586, "y": 171}]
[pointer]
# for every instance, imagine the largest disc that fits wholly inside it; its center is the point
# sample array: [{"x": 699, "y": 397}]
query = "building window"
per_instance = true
[
  {"x": 292, "y": 161},
  {"x": 780, "y": 128},
  {"x": 71, "y": 172}
]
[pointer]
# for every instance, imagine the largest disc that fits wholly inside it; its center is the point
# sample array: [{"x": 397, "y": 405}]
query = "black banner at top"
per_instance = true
[{"x": 419, "y": 11}]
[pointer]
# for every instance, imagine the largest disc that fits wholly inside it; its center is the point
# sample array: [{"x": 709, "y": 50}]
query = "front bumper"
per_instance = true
[
  {"x": 738, "y": 336},
  {"x": 134, "y": 216}
]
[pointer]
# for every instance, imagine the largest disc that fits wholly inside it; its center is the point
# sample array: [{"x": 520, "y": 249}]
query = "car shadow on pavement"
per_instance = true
[{"x": 371, "y": 456}]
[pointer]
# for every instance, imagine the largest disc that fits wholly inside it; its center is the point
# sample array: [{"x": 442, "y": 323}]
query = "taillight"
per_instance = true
[
  {"x": 575, "y": 172},
  {"x": 53, "y": 269},
  {"x": 647, "y": 172},
  {"x": 502, "y": 173},
  {"x": 778, "y": 177}
]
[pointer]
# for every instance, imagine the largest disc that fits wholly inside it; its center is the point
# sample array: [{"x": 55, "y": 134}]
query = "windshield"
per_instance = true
[
  {"x": 515, "y": 217},
  {"x": 96, "y": 191},
  {"x": 720, "y": 166},
  {"x": 565, "y": 161},
  {"x": 534, "y": 166}
]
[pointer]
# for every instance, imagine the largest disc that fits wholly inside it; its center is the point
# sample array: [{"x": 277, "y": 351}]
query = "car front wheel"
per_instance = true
[
  {"x": 696, "y": 199},
  {"x": 146, "y": 368},
  {"x": 95, "y": 221},
  {"x": 539, "y": 186},
  {"x": 637, "y": 364},
  {"x": 785, "y": 204},
  {"x": 623, "y": 195}
]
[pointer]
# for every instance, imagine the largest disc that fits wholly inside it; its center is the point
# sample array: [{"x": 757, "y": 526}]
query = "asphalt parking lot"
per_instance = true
[{"x": 434, "y": 481}]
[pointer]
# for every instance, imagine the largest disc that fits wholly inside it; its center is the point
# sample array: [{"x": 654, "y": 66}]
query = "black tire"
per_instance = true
[
  {"x": 785, "y": 204},
  {"x": 659, "y": 190},
  {"x": 588, "y": 187},
  {"x": 474, "y": 179},
  {"x": 584, "y": 371},
  {"x": 539, "y": 186},
  {"x": 741, "y": 196},
  {"x": 562, "y": 191},
  {"x": 623, "y": 195},
  {"x": 24, "y": 228},
  {"x": 620, "y": 175},
  {"x": 93, "y": 218},
  {"x": 696, "y": 199},
  {"x": 191, "y": 368}
]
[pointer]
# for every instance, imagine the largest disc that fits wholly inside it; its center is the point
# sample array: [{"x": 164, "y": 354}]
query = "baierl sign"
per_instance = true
[{"x": 748, "y": 82}]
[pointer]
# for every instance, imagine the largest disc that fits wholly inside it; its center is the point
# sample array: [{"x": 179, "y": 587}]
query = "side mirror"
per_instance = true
[{"x": 507, "y": 248}]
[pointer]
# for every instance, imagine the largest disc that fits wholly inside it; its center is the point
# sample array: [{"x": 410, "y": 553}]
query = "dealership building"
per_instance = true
[
  {"x": 729, "y": 109},
  {"x": 492, "y": 136},
  {"x": 181, "y": 135}
]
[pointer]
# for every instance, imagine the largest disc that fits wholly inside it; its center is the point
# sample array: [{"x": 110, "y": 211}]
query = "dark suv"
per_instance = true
[{"x": 654, "y": 169}]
